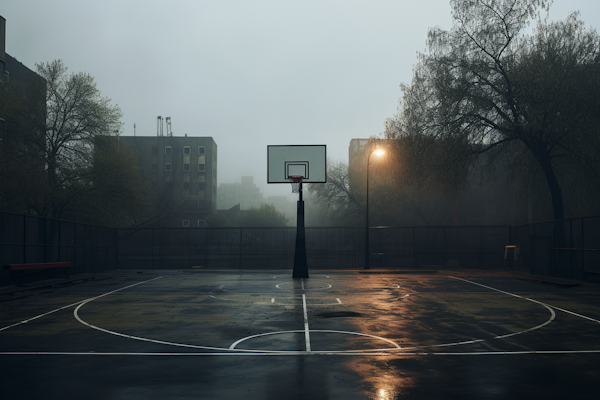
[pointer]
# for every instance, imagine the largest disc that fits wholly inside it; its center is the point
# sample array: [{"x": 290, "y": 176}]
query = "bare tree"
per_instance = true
[
  {"x": 335, "y": 202},
  {"x": 61, "y": 158},
  {"x": 76, "y": 114},
  {"x": 484, "y": 85}
]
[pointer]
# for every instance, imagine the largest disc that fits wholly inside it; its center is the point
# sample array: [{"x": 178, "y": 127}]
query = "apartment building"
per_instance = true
[{"x": 183, "y": 171}]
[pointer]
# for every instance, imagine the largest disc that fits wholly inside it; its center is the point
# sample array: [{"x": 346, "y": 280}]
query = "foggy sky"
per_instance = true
[{"x": 249, "y": 73}]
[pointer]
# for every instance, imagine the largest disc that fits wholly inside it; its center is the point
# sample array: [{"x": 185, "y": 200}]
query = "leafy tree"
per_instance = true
[
  {"x": 264, "y": 216},
  {"x": 485, "y": 86}
]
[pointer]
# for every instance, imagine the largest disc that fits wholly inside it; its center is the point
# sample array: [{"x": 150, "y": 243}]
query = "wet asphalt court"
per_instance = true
[{"x": 337, "y": 335}]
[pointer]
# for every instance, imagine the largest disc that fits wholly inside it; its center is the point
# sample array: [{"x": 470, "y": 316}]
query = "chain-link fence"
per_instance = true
[
  {"x": 566, "y": 249},
  {"x": 327, "y": 248},
  {"x": 31, "y": 239}
]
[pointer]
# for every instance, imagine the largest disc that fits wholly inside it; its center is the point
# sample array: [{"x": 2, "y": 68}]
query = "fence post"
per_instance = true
[
  {"x": 481, "y": 247},
  {"x": 582, "y": 269},
  {"x": 414, "y": 252},
  {"x": 241, "y": 247},
  {"x": 24, "y": 239}
]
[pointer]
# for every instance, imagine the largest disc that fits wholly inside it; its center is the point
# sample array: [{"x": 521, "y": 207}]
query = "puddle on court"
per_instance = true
[
  {"x": 385, "y": 383},
  {"x": 339, "y": 314}
]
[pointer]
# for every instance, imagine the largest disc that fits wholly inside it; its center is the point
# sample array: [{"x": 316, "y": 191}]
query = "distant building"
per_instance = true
[
  {"x": 357, "y": 162},
  {"x": 246, "y": 194},
  {"x": 183, "y": 171},
  {"x": 11, "y": 70},
  {"x": 22, "y": 120}
]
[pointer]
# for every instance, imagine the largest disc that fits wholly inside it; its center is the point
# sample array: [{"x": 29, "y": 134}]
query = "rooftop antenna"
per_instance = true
[
  {"x": 159, "y": 126},
  {"x": 169, "y": 130}
]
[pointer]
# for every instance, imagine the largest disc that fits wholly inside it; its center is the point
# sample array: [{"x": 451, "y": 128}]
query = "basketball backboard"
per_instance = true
[{"x": 308, "y": 161}]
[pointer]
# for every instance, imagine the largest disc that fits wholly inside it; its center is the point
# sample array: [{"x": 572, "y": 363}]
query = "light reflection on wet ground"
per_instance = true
[{"x": 434, "y": 336}]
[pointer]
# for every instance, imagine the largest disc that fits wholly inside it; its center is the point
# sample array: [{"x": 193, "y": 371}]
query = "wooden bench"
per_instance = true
[{"x": 18, "y": 276}]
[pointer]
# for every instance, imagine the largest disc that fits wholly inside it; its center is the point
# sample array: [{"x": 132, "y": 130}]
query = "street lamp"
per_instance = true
[{"x": 377, "y": 152}]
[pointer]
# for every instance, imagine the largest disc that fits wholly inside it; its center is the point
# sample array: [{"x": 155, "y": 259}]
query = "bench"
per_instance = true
[{"x": 18, "y": 276}]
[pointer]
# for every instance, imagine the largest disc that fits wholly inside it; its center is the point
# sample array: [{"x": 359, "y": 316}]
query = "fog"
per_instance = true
[{"x": 247, "y": 73}]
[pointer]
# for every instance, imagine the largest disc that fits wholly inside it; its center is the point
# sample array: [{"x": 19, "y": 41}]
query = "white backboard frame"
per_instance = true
[{"x": 310, "y": 161}]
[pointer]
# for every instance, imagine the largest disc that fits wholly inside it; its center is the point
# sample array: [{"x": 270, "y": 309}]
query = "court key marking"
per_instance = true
[
  {"x": 306, "y": 330},
  {"x": 74, "y": 304},
  {"x": 548, "y": 306},
  {"x": 397, "y": 350}
]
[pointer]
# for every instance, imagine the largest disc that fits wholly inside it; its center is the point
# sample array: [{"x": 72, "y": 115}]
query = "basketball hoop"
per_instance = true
[{"x": 296, "y": 181}]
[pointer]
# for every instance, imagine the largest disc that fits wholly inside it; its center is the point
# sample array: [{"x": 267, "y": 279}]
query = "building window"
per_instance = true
[
  {"x": 201, "y": 185},
  {"x": 154, "y": 149},
  {"x": 201, "y": 150},
  {"x": 186, "y": 223},
  {"x": 168, "y": 167},
  {"x": 201, "y": 167},
  {"x": 168, "y": 150},
  {"x": 186, "y": 167},
  {"x": 154, "y": 167},
  {"x": 186, "y": 150},
  {"x": 201, "y": 223},
  {"x": 186, "y": 185},
  {"x": 200, "y": 203}
]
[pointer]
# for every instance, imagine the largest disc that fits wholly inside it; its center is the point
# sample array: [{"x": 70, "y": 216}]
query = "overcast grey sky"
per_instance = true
[{"x": 249, "y": 73}]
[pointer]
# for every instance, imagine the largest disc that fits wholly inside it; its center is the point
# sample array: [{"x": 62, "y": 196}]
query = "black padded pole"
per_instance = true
[{"x": 300, "y": 265}]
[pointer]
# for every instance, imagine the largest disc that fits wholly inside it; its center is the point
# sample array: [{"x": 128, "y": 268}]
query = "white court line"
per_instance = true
[
  {"x": 286, "y": 284},
  {"x": 548, "y": 306},
  {"x": 76, "y": 314},
  {"x": 301, "y": 353},
  {"x": 74, "y": 304},
  {"x": 396, "y": 346},
  {"x": 306, "y": 330},
  {"x": 293, "y": 301},
  {"x": 552, "y": 313},
  {"x": 575, "y": 314},
  {"x": 398, "y": 351},
  {"x": 41, "y": 315}
]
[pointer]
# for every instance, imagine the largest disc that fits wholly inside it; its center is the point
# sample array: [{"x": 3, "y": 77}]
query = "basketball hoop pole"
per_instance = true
[
  {"x": 295, "y": 164},
  {"x": 300, "y": 265}
]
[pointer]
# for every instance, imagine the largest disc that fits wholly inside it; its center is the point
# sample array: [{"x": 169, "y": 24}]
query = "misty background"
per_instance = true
[{"x": 247, "y": 73}]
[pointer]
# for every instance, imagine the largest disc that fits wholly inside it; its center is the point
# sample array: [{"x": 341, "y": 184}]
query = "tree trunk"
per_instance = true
[
  {"x": 557, "y": 199},
  {"x": 553, "y": 186}
]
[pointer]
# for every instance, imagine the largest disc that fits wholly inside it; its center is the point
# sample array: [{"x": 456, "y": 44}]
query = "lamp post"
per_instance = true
[{"x": 378, "y": 152}]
